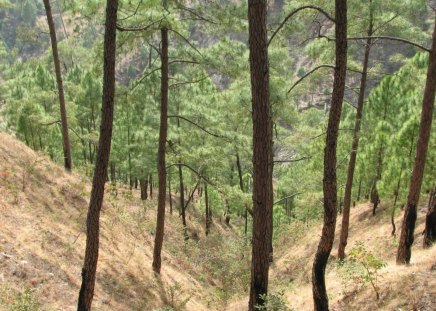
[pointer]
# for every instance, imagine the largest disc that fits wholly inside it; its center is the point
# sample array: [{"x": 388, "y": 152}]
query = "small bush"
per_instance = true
[
  {"x": 273, "y": 302},
  {"x": 25, "y": 301},
  {"x": 361, "y": 268}
]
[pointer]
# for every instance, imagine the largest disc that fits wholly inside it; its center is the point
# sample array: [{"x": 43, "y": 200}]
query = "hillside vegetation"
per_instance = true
[{"x": 43, "y": 214}]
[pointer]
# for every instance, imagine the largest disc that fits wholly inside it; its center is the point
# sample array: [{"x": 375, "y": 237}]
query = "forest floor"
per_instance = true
[{"x": 42, "y": 240}]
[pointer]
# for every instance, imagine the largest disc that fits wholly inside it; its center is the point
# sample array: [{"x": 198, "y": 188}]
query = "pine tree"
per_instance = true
[
  {"x": 64, "y": 121},
  {"x": 408, "y": 226},
  {"x": 262, "y": 153},
  {"x": 100, "y": 172},
  {"x": 330, "y": 181}
]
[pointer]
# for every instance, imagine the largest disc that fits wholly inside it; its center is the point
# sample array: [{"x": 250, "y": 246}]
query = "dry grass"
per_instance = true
[{"x": 42, "y": 240}]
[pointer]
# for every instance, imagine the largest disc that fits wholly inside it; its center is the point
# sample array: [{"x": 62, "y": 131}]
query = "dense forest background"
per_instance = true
[{"x": 209, "y": 139}]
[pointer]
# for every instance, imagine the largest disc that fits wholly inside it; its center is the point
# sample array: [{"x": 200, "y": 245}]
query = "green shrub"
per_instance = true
[
  {"x": 25, "y": 301},
  {"x": 273, "y": 302}
]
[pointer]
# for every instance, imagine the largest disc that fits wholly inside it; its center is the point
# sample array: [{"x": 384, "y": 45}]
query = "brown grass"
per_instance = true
[{"x": 42, "y": 240}]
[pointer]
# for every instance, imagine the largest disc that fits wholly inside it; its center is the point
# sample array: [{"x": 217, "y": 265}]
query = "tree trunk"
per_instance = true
[
  {"x": 208, "y": 214},
  {"x": 143, "y": 184},
  {"x": 408, "y": 226},
  {"x": 359, "y": 190},
  {"x": 93, "y": 219},
  {"x": 262, "y": 152},
  {"x": 396, "y": 192},
  {"x": 150, "y": 182},
  {"x": 182, "y": 202},
  {"x": 112, "y": 172},
  {"x": 161, "y": 167},
  {"x": 169, "y": 195},
  {"x": 330, "y": 181},
  {"x": 355, "y": 144},
  {"x": 63, "y": 111},
  {"x": 430, "y": 221}
]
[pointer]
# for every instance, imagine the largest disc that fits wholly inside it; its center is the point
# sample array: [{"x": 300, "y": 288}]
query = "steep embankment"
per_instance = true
[
  {"x": 42, "y": 239},
  {"x": 401, "y": 288}
]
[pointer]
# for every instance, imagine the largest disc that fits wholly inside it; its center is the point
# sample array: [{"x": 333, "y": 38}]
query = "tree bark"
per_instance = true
[
  {"x": 208, "y": 213},
  {"x": 408, "y": 225},
  {"x": 161, "y": 167},
  {"x": 262, "y": 152},
  {"x": 182, "y": 202},
  {"x": 169, "y": 195},
  {"x": 396, "y": 193},
  {"x": 359, "y": 190},
  {"x": 93, "y": 219},
  {"x": 143, "y": 185},
  {"x": 330, "y": 180},
  {"x": 63, "y": 111},
  {"x": 355, "y": 144},
  {"x": 150, "y": 183},
  {"x": 430, "y": 221}
]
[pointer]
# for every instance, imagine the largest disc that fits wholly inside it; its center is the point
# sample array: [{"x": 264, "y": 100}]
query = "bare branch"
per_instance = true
[
  {"x": 143, "y": 77},
  {"x": 139, "y": 28},
  {"x": 188, "y": 82},
  {"x": 308, "y": 74},
  {"x": 391, "y": 39},
  {"x": 183, "y": 61},
  {"x": 287, "y": 197},
  {"x": 186, "y": 40},
  {"x": 293, "y": 160},
  {"x": 200, "y": 127},
  {"x": 199, "y": 17},
  {"x": 343, "y": 129},
  {"x": 315, "y": 69},
  {"x": 296, "y": 11},
  {"x": 134, "y": 13}
]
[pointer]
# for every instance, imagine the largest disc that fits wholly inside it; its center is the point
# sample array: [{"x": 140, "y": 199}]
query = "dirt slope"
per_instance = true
[
  {"x": 411, "y": 288},
  {"x": 42, "y": 240}
]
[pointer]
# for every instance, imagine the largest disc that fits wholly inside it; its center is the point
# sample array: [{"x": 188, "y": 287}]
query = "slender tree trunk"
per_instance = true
[
  {"x": 93, "y": 219},
  {"x": 430, "y": 221},
  {"x": 262, "y": 152},
  {"x": 62, "y": 19},
  {"x": 241, "y": 185},
  {"x": 150, "y": 182},
  {"x": 182, "y": 202},
  {"x": 408, "y": 225},
  {"x": 206, "y": 198},
  {"x": 396, "y": 192},
  {"x": 112, "y": 172},
  {"x": 170, "y": 195},
  {"x": 355, "y": 144},
  {"x": 161, "y": 167},
  {"x": 330, "y": 181},
  {"x": 143, "y": 184},
  {"x": 359, "y": 190},
  {"x": 63, "y": 111}
]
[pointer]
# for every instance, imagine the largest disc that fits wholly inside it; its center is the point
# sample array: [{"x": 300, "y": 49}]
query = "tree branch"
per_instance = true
[
  {"x": 296, "y": 11},
  {"x": 391, "y": 39},
  {"x": 139, "y": 28},
  {"x": 308, "y": 74},
  {"x": 293, "y": 160},
  {"x": 186, "y": 40},
  {"x": 315, "y": 69},
  {"x": 287, "y": 197},
  {"x": 200, "y": 127},
  {"x": 188, "y": 82}
]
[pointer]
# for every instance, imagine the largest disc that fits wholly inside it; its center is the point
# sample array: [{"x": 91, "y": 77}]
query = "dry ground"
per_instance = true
[{"x": 42, "y": 240}]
